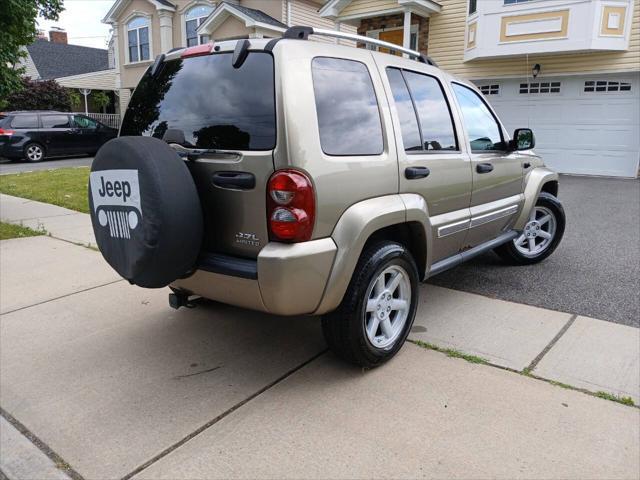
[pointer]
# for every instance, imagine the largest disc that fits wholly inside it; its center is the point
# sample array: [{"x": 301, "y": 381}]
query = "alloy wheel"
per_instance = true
[
  {"x": 388, "y": 305},
  {"x": 538, "y": 232},
  {"x": 34, "y": 153}
]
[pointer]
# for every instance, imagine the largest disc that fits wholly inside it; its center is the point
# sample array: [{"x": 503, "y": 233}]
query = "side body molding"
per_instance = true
[
  {"x": 353, "y": 230},
  {"x": 533, "y": 185}
]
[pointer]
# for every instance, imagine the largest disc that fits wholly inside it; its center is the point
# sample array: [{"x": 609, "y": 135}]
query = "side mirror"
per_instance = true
[{"x": 523, "y": 139}]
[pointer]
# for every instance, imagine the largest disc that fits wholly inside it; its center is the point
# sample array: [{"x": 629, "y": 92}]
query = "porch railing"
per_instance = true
[{"x": 109, "y": 119}]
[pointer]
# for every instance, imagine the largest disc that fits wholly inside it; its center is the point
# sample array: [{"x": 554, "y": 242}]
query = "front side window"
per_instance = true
[
  {"x": 138, "y": 39},
  {"x": 193, "y": 19},
  {"x": 84, "y": 122},
  {"x": 436, "y": 123},
  {"x": 347, "y": 107},
  {"x": 483, "y": 129},
  {"x": 25, "y": 121},
  {"x": 55, "y": 121},
  {"x": 204, "y": 102}
]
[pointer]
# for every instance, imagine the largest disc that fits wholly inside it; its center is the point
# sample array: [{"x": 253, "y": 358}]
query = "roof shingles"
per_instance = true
[{"x": 55, "y": 60}]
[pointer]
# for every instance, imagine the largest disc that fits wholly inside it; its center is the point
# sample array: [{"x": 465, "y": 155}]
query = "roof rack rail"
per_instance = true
[{"x": 302, "y": 33}]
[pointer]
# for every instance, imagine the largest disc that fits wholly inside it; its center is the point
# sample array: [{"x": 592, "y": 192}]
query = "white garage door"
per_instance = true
[{"x": 583, "y": 124}]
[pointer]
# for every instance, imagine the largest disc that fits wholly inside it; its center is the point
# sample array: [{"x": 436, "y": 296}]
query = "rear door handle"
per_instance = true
[
  {"x": 411, "y": 173},
  {"x": 484, "y": 168},
  {"x": 236, "y": 180}
]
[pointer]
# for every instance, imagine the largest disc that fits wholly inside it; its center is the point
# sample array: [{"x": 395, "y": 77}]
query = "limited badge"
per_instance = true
[{"x": 116, "y": 200}]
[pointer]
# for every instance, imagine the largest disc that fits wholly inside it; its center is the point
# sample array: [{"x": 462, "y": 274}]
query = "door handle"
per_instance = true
[
  {"x": 526, "y": 165},
  {"x": 484, "y": 168},
  {"x": 411, "y": 173},
  {"x": 237, "y": 180}
]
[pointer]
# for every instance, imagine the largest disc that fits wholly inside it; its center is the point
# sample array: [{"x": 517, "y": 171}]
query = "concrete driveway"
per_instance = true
[
  {"x": 594, "y": 272},
  {"x": 7, "y": 166}
]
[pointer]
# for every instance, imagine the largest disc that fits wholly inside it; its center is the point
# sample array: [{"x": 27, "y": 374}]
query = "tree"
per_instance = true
[
  {"x": 101, "y": 100},
  {"x": 17, "y": 30},
  {"x": 40, "y": 95}
]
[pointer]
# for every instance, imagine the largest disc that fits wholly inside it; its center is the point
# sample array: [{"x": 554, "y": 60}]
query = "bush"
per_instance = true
[{"x": 39, "y": 95}]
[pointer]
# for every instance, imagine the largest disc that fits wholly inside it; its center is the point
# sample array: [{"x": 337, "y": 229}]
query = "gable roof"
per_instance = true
[
  {"x": 250, "y": 16},
  {"x": 54, "y": 60},
  {"x": 119, "y": 6}
]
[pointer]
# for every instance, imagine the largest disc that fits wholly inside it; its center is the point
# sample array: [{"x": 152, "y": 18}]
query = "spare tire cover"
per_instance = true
[{"x": 145, "y": 210}]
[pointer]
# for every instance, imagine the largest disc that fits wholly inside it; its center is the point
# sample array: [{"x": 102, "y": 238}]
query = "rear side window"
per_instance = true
[
  {"x": 407, "y": 114},
  {"x": 25, "y": 121},
  {"x": 203, "y": 102},
  {"x": 347, "y": 107},
  {"x": 436, "y": 123},
  {"x": 55, "y": 121}
]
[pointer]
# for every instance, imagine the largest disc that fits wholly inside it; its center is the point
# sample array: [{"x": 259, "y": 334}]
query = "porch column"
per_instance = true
[{"x": 406, "y": 30}]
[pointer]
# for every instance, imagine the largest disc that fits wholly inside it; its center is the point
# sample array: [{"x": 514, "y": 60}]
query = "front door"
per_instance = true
[
  {"x": 497, "y": 173},
  {"x": 431, "y": 160},
  {"x": 391, "y": 36}
]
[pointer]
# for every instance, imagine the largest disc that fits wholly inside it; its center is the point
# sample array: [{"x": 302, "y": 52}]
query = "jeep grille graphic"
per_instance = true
[{"x": 118, "y": 224}]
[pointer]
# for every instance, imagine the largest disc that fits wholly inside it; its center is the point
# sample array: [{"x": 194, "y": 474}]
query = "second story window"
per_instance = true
[
  {"x": 473, "y": 6},
  {"x": 138, "y": 40},
  {"x": 193, "y": 18}
]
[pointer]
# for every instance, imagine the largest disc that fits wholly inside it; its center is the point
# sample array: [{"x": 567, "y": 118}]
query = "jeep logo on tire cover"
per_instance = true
[{"x": 116, "y": 200}]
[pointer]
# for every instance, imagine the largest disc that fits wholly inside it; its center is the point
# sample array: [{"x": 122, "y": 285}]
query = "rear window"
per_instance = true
[
  {"x": 25, "y": 121},
  {"x": 203, "y": 102}
]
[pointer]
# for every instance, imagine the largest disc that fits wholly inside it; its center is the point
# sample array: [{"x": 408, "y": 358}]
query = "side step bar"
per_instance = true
[{"x": 459, "y": 258}]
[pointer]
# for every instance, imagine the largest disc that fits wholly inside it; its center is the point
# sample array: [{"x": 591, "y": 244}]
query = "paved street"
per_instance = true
[
  {"x": 594, "y": 272},
  {"x": 17, "y": 167},
  {"x": 106, "y": 378}
]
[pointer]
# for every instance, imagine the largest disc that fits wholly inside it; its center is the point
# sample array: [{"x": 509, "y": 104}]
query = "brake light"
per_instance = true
[
  {"x": 6, "y": 133},
  {"x": 291, "y": 206},
  {"x": 198, "y": 50}
]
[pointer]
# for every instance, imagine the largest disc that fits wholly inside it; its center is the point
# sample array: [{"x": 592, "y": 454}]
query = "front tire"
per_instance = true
[
  {"x": 541, "y": 235},
  {"x": 377, "y": 312},
  {"x": 34, "y": 152}
]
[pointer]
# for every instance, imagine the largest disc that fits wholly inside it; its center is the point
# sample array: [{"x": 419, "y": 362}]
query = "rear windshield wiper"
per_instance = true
[{"x": 195, "y": 153}]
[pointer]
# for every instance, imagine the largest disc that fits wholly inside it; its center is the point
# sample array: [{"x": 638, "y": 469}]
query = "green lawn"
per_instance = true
[
  {"x": 9, "y": 230},
  {"x": 65, "y": 187}
]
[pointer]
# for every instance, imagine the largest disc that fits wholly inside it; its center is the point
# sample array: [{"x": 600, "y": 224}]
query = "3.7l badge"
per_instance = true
[{"x": 247, "y": 239}]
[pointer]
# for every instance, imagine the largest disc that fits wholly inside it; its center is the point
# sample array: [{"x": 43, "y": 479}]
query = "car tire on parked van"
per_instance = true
[
  {"x": 34, "y": 152},
  {"x": 377, "y": 311}
]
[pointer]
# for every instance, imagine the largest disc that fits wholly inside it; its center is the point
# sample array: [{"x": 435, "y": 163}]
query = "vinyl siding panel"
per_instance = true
[
  {"x": 306, "y": 13},
  {"x": 105, "y": 80},
  {"x": 360, "y": 7},
  {"x": 447, "y": 42}
]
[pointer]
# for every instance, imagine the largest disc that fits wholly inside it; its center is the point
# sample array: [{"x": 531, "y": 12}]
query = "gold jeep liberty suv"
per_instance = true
[{"x": 298, "y": 177}]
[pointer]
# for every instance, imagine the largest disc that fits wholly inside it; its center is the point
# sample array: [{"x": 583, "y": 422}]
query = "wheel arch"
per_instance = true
[
  {"x": 538, "y": 180},
  {"x": 400, "y": 218}
]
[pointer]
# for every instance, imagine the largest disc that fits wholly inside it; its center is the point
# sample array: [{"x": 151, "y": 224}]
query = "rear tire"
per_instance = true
[
  {"x": 542, "y": 234},
  {"x": 377, "y": 311},
  {"x": 34, "y": 152}
]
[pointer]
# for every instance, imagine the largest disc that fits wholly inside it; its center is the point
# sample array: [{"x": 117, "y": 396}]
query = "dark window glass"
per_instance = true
[
  {"x": 406, "y": 112},
  {"x": 25, "y": 121},
  {"x": 625, "y": 87},
  {"x": 482, "y": 127},
  {"x": 435, "y": 119},
  {"x": 209, "y": 102},
  {"x": 347, "y": 108},
  {"x": 473, "y": 6},
  {"x": 133, "y": 45},
  {"x": 192, "y": 37},
  {"x": 144, "y": 43},
  {"x": 84, "y": 122},
  {"x": 55, "y": 121}
]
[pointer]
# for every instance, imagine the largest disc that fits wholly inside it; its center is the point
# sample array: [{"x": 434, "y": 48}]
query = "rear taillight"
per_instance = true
[
  {"x": 291, "y": 206},
  {"x": 6, "y": 133}
]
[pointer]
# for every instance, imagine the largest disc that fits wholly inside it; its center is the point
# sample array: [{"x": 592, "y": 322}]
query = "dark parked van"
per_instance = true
[{"x": 34, "y": 135}]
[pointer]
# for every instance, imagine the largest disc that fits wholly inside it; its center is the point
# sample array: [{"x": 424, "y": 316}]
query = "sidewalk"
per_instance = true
[{"x": 117, "y": 384}]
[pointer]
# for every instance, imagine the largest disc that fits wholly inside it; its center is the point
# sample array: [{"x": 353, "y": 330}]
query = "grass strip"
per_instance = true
[
  {"x": 9, "y": 230},
  {"x": 65, "y": 187}
]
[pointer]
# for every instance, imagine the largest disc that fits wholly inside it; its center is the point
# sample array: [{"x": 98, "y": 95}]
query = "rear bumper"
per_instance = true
[
  {"x": 11, "y": 150},
  {"x": 289, "y": 279}
]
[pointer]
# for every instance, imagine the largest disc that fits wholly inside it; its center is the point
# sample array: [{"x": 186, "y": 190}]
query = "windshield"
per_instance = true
[{"x": 203, "y": 102}]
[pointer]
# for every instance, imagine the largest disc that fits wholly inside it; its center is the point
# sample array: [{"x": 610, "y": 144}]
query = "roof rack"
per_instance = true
[{"x": 302, "y": 33}]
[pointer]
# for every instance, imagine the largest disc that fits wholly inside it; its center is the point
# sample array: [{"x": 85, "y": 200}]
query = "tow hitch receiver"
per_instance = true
[{"x": 180, "y": 299}]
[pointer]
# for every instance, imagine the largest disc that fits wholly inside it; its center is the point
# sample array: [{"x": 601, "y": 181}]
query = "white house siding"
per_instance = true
[
  {"x": 306, "y": 13},
  {"x": 104, "y": 80},
  {"x": 593, "y": 133},
  {"x": 30, "y": 69}
]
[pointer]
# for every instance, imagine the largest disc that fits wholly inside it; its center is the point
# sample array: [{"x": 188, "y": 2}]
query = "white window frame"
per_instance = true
[
  {"x": 490, "y": 91},
  {"x": 183, "y": 19},
  {"x": 538, "y": 85},
  {"x": 608, "y": 83},
  {"x": 131, "y": 18},
  {"x": 376, "y": 34}
]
